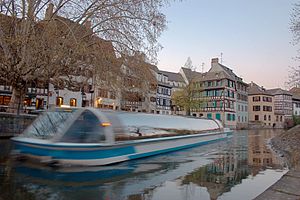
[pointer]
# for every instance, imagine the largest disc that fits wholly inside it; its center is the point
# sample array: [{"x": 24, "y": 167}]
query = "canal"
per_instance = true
[{"x": 241, "y": 167}]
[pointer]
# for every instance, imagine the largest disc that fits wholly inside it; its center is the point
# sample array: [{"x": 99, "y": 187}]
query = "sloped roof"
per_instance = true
[
  {"x": 295, "y": 92},
  {"x": 209, "y": 76},
  {"x": 255, "y": 89},
  {"x": 217, "y": 67},
  {"x": 153, "y": 67},
  {"x": 228, "y": 71},
  {"x": 190, "y": 75},
  {"x": 172, "y": 76},
  {"x": 279, "y": 91}
]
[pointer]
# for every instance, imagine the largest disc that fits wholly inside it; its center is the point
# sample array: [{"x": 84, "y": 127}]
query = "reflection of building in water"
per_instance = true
[
  {"x": 226, "y": 171},
  {"x": 259, "y": 154}
]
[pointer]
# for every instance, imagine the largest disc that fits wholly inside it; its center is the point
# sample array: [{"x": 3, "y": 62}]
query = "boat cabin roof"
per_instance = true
[{"x": 89, "y": 125}]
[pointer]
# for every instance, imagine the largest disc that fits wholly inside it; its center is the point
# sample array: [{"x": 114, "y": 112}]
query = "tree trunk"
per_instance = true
[
  {"x": 16, "y": 102},
  {"x": 187, "y": 111}
]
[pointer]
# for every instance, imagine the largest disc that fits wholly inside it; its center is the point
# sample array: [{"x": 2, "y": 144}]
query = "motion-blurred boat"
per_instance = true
[{"x": 91, "y": 137}]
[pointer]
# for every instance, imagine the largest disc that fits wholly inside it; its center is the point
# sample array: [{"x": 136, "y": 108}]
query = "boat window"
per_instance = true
[
  {"x": 48, "y": 124},
  {"x": 85, "y": 129}
]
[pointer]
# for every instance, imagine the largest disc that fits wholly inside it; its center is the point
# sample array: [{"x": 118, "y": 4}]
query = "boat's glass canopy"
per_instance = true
[
  {"x": 92, "y": 125},
  {"x": 167, "y": 121},
  {"x": 85, "y": 129},
  {"x": 151, "y": 125},
  {"x": 48, "y": 124},
  {"x": 68, "y": 125}
]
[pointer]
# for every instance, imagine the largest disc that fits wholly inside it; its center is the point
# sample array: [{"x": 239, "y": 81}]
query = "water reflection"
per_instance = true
[
  {"x": 260, "y": 156},
  {"x": 218, "y": 171},
  {"x": 227, "y": 169}
]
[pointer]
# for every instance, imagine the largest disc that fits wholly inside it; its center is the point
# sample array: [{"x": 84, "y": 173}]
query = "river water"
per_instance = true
[{"x": 241, "y": 167}]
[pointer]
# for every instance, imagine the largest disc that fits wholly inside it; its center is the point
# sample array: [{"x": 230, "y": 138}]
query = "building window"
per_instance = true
[
  {"x": 228, "y": 117},
  {"x": 256, "y": 108},
  {"x": 152, "y": 99},
  {"x": 73, "y": 102},
  {"x": 256, "y": 117},
  {"x": 267, "y": 99},
  {"x": 269, "y": 117},
  {"x": 164, "y": 103},
  {"x": 256, "y": 98},
  {"x": 209, "y": 115},
  {"x": 265, "y": 117},
  {"x": 59, "y": 101},
  {"x": 267, "y": 108},
  {"x": 233, "y": 117},
  {"x": 6, "y": 87},
  {"x": 218, "y": 116},
  {"x": 4, "y": 100},
  {"x": 281, "y": 118},
  {"x": 112, "y": 95}
]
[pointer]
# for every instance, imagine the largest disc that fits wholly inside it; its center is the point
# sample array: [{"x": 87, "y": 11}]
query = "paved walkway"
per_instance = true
[{"x": 287, "y": 188}]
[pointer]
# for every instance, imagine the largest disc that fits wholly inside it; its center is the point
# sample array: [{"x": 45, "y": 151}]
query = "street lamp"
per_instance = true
[{"x": 83, "y": 99}]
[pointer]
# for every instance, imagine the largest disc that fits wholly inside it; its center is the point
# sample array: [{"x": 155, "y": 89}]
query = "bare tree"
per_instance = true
[
  {"x": 294, "y": 72},
  {"x": 46, "y": 40},
  {"x": 138, "y": 81},
  {"x": 293, "y": 77}
]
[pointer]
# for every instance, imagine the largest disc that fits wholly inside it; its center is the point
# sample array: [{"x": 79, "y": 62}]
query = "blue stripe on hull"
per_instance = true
[
  {"x": 75, "y": 154},
  {"x": 136, "y": 156}
]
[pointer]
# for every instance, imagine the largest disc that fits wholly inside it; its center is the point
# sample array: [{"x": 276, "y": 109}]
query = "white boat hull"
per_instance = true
[{"x": 95, "y": 154}]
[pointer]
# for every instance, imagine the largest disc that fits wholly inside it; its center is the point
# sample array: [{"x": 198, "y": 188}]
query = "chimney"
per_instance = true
[
  {"x": 215, "y": 60},
  {"x": 49, "y": 11}
]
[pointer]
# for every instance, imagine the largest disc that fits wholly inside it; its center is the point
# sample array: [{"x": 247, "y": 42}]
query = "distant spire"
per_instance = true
[{"x": 221, "y": 57}]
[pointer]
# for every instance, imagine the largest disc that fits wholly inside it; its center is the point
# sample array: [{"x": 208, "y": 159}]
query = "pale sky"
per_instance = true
[{"x": 252, "y": 35}]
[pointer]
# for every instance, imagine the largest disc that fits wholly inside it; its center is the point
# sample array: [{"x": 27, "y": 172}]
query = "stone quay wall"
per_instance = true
[{"x": 12, "y": 124}]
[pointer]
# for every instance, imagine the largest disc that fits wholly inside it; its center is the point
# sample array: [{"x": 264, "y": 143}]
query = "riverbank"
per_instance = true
[
  {"x": 287, "y": 146},
  {"x": 12, "y": 124}
]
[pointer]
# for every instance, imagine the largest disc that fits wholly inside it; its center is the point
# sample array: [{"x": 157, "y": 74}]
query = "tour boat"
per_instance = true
[{"x": 93, "y": 137}]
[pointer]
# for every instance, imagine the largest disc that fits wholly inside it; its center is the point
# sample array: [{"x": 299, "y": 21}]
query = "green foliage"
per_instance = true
[
  {"x": 296, "y": 120},
  {"x": 188, "y": 98}
]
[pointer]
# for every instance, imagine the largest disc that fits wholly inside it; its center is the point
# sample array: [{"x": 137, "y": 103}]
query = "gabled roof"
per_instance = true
[
  {"x": 255, "y": 89},
  {"x": 188, "y": 74},
  {"x": 217, "y": 67},
  {"x": 153, "y": 67},
  {"x": 279, "y": 91},
  {"x": 295, "y": 92},
  {"x": 172, "y": 76},
  {"x": 210, "y": 76}
]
